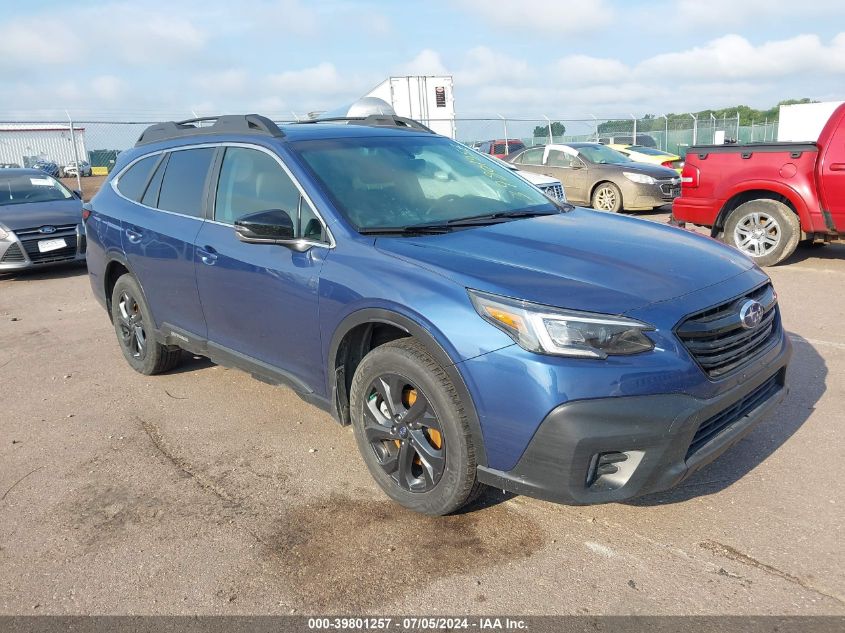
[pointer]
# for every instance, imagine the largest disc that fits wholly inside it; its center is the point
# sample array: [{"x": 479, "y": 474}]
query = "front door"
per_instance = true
[
  {"x": 260, "y": 300},
  {"x": 833, "y": 178},
  {"x": 569, "y": 169}
]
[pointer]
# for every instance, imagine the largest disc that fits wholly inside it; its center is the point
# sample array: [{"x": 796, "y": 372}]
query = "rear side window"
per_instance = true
[
  {"x": 150, "y": 198},
  {"x": 532, "y": 157},
  {"x": 183, "y": 185},
  {"x": 132, "y": 182}
]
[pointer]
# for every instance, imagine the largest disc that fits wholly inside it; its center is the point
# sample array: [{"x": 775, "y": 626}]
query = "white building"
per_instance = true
[{"x": 23, "y": 143}]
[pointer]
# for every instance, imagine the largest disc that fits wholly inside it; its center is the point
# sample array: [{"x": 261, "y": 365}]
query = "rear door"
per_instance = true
[
  {"x": 260, "y": 300},
  {"x": 159, "y": 233}
]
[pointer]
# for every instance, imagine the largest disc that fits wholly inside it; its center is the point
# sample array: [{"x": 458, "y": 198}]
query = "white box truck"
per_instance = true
[
  {"x": 803, "y": 122},
  {"x": 424, "y": 98}
]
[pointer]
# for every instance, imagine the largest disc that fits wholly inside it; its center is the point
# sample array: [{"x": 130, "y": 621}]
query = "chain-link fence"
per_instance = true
[{"x": 59, "y": 146}]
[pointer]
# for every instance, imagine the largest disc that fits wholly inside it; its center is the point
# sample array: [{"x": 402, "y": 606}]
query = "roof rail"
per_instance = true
[
  {"x": 375, "y": 120},
  {"x": 225, "y": 124}
]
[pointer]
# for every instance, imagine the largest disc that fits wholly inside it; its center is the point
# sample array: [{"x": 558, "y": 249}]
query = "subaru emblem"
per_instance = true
[
  {"x": 751, "y": 313},
  {"x": 47, "y": 229}
]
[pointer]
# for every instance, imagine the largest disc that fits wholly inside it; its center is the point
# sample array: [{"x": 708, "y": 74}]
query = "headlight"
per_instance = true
[
  {"x": 4, "y": 233},
  {"x": 548, "y": 330},
  {"x": 643, "y": 179}
]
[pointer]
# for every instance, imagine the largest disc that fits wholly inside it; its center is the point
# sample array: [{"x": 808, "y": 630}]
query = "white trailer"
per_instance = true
[
  {"x": 803, "y": 122},
  {"x": 23, "y": 143},
  {"x": 425, "y": 98}
]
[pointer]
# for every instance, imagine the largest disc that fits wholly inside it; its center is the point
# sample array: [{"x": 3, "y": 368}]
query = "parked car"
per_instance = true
[
  {"x": 471, "y": 330},
  {"x": 596, "y": 175},
  {"x": 9, "y": 166},
  {"x": 48, "y": 167},
  {"x": 40, "y": 221},
  {"x": 549, "y": 186},
  {"x": 650, "y": 155},
  {"x": 501, "y": 147},
  {"x": 643, "y": 140},
  {"x": 763, "y": 198},
  {"x": 70, "y": 169}
]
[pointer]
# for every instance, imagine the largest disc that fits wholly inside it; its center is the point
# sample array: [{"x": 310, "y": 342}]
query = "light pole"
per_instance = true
[
  {"x": 694, "y": 128},
  {"x": 634, "y": 137},
  {"x": 597, "y": 126},
  {"x": 666, "y": 134},
  {"x": 75, "y": 152},
  {"x": 505, "y": 124},
  {"x": 551, "y": 138}
]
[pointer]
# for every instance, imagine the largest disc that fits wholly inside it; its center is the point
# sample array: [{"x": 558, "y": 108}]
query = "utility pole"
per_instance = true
[
  {"x": 549, "y": 122},
  {"x": 75, "y": 152}
]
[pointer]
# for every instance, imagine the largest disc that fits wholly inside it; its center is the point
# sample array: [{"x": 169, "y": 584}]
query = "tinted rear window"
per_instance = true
[
  {"x": 499, "y": 148},
  {"x": 132, "y": 182},
  {"x": 183, "y": 185}
]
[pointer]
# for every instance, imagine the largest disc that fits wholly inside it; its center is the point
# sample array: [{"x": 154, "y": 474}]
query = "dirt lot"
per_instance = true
[{"x": 205, "y": 491}]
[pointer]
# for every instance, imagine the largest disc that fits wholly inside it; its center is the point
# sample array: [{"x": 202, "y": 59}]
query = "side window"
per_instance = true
[
  {"x": 132, "y": 182},
  {"x": 559, "y": 159},
  {"x": 310, "y": 227},
  {"x": 532, "y": 157},
  {"x": 183, "y": 184},
  {"x": 150, "y": 198},
  {"x": 252, "y": 180}
]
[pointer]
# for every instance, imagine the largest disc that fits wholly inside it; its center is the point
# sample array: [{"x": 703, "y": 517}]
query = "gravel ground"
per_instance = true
[{"x": 205, "y": 491}]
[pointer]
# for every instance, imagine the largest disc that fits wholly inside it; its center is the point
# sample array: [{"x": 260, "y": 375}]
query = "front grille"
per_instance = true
[
  {"x": 13, "y": 255},
  {"x": 711, "y": 427},
  {"x": 60, "y": 230},
  {"x": 720, "y": 343},
  {"x": 59, "y": 255},
  {"x": 555, "y": 191},
  {"x": 670, "y": 190}
]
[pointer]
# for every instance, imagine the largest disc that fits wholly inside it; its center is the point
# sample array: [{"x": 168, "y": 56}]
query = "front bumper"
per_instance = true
[
  {"x": 641, "y": 196},
  {"x": 20, "y": 252},
  {"x": 664, "y": 437}
]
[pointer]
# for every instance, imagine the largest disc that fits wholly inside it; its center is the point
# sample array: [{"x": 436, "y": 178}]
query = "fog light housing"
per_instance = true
[{"x": 610, "y": 470}]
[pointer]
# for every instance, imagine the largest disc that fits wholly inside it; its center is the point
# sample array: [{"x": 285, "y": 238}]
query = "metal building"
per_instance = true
[{"x": 23, "y": 143}]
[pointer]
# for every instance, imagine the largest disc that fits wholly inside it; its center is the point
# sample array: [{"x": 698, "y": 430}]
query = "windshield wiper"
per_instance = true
[
  {"x": 419, "y": 229},
  {"x": 500, "y": 216}
]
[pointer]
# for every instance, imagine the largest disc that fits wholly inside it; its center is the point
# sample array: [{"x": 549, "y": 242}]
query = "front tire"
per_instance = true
[
  {"x": 766, "y": 230},
  {"x": 607, "y": 197},
  {"x": 411, "y": 429},
  {"x": 134, "y": 326}
]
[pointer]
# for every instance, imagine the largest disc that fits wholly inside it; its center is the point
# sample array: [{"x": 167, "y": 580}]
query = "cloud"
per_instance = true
[
  {"x": 108, "y": 87},
  {"x": 223, "y": 82},
  {"x": 718, "y": 13},
  {"x": 482, "y": 65},
  {"x": 427, "y": 62},
  {"x": 526, "y": 16}
]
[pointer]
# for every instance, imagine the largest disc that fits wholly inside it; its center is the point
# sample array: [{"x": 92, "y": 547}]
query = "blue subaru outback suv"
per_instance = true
[{"x": 470, "y": 329}]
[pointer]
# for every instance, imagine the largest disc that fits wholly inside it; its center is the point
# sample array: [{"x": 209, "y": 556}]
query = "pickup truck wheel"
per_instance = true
[
  {"x": 607, "y": 197},
  {"x": 766, "y": 230},
  {"x": 411, "y": 429},
  {"x": 133, "y": 325}
]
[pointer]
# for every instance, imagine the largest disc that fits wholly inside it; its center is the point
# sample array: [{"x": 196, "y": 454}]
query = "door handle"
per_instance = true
[
  {"x": 133, "y": 236},
  {"x": 837, "y": 167},
  {"x": 207, "y": 255}
]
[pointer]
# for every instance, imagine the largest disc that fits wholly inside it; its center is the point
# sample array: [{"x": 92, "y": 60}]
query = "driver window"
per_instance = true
[
  {"x": 558, "y": 158},
  {"x": 250, "y": 181}
]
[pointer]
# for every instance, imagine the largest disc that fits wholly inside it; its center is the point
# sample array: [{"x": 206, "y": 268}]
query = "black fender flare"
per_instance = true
[{"x": 432, "y": 346}]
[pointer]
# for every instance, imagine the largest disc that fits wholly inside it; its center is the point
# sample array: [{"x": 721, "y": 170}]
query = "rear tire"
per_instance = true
[
  {"x": 134, "y": 326},
  {"x": 767, "y": 231},
  {"x": 419, "y": 450},
  {"x": 607, "y": 197}
]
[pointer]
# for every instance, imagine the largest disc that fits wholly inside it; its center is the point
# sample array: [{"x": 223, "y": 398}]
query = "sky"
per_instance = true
[{"x": 517, "y": 58}]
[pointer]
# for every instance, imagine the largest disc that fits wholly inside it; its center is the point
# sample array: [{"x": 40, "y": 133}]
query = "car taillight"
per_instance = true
[
  {"x": 690, "y": 176},
  {"x": 86, "y": 212},
  {"x": 668, "y": 163}
]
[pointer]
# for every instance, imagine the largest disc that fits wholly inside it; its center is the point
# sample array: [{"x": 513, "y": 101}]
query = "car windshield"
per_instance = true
[
  {"x": 602, "y": 155},
  {"x": 20, "y": 189},
  {"x": 398, "y": 182}
]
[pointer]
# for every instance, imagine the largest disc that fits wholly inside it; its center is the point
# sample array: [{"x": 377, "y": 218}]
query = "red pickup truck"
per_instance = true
[{"x": 763, "y": 198}]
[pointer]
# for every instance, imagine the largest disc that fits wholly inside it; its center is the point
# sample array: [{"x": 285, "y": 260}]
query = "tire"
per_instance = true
[
  {"x": 607, "y": 197},
  {"x": 133, "y": 324},
  {"x": 427, "y": 464},
  {"x": 768, "y": 231}
]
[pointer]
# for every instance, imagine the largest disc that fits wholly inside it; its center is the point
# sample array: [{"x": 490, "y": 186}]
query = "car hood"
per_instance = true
[
  {"x": 537, "y": 179},
  {"x": 582, "y": 260},
  {"x": 35, "y": 214},
  {"x": 655, "y": 171}
]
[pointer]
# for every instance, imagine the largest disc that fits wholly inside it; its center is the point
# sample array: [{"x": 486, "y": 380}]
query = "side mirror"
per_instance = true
[
  {"x": 273, "y": 226},
  {"x": 577, "y": 164}
]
